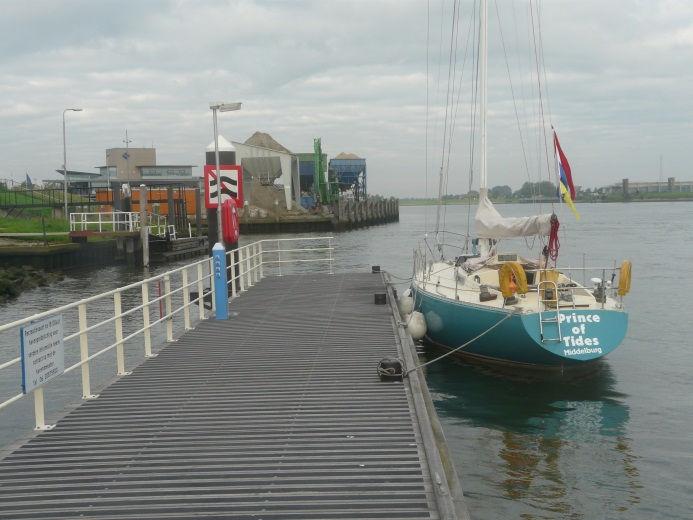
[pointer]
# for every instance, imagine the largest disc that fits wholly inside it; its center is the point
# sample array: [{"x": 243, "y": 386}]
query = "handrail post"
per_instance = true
[
  {"x": 329, "y": 246},
  {"x": 39, "y": 414},
  {"x": 120, "y": 351},
  {"x": 186, "y": 299},
  {"x": 145, "y": 321},
  {"x": 169, "y": 308},
  {"x": 232, "y": 263},
  {"x": 256, "y": 262},
  {"x": 99, "y": 222},
  {"x": 262, "y": 270},
  {"x": 210, "y": 267},
  {"x": 200, "y": 292},
  {"x": 84, "y": 352},
  {"x": 248, "y": 272},
  {"x": 279, "y": 258},
  {"x": 241, "y": 274}
]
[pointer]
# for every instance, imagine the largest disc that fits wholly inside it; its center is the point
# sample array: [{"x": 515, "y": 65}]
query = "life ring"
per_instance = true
[
  {"x": 512, "y": 279},
  {"x": 624, "y": 278}
]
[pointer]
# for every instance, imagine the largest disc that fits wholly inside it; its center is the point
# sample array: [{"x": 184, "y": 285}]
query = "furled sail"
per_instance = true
[{"x": 491, "y": 224}]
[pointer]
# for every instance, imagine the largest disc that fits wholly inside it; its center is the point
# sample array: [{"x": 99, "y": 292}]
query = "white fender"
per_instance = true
[
  {"x": 405, "y": 304},
  {"x": 416, "y": 325}
]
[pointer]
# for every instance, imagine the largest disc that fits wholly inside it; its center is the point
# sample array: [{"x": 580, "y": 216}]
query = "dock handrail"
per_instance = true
[{"x": 248, "y": 264}]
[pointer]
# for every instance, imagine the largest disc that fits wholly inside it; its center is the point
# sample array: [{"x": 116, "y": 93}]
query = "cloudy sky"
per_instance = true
[{"x": 619, "y": 73}]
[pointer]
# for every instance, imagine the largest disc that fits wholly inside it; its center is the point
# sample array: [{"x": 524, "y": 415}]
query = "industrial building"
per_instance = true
[
  {"x": 270, "y": 172},
  {"x": 349, "y": 172},
  {"x": 632, "y": 188}
]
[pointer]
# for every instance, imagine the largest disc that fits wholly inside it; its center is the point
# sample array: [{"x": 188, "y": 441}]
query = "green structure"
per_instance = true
[
  {"x": 321, "y": 185},
  {"x": 314, "y": 175}
]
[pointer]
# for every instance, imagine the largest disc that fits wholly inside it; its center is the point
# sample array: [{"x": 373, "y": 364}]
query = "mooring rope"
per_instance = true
[{"x": 513, "y": 313}]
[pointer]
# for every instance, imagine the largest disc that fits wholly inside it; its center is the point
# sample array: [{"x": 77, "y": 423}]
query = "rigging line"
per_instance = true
[
  {"x": 472, "y": 117},
  {"x": 453, "y": 109},
  {"x": 512, "y": 92},
  {"x": 436, "y": 100},
  {"x": 428, "y": 39},
  {"x": 445, "y": 125},
  {"x": 536, "y": 142},
  {"x": 548, "y": 107},
  {"x": 523, "y": 95},
  {"x": 541, "y": 101},
  {"x": 456, "y": 105},
  {"x": 543, "y": 63}
]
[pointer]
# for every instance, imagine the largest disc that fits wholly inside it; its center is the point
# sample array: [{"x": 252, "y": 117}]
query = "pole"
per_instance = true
[
  {"x": 221, "y": 288},
  {"x": 220, "y": 225},
  {"x": 144, "y": 228},
  {"x": 127, "y": 142},
  {"x": 67, "y": 216}
]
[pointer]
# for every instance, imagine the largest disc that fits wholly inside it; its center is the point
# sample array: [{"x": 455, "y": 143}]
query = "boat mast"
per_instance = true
[{"x": 483, "y": 57}]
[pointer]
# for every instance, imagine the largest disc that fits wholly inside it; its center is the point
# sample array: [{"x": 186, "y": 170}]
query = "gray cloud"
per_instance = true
[{"x": 354, "y": 73}]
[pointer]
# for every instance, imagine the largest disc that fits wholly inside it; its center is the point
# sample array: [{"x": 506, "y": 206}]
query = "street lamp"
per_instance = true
[
  {"x": 67, "y": 216},
  {"x": 221, "y": 107}
]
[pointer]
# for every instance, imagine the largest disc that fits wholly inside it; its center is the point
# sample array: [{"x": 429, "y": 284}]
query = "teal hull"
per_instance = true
[{"x": 587, "y": 334}]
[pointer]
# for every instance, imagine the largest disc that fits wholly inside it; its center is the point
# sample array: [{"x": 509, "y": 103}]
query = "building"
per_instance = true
[
  {"x": 270, "y": 172},
  {"x": 349, "y": 171},
  {"x": 634, "y": 188},
  {"x": 133, "y": 166},
  {"x": 136, "y": 164}
]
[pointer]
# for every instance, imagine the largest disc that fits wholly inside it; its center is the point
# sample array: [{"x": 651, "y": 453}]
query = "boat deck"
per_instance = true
[{"x": 276, "y": 413}]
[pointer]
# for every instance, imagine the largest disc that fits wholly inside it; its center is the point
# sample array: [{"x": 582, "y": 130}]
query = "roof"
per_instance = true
[
  {"x": 264, "y": 140},
  {"x": 75, "y": 172},
  {"x": 347, "y": 155},
  {"x": 224, "y": 145}
]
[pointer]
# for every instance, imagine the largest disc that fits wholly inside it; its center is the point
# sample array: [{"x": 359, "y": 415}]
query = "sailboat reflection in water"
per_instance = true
[{"x": 528, "y": 438}]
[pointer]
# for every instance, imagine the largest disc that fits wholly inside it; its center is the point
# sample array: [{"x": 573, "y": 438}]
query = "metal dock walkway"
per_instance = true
[{"x": 277, "y": 413}]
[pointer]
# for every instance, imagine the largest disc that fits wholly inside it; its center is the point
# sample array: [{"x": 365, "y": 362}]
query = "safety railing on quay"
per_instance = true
[
  {"x": 248, "y": 264},
  {"x": 116, "y": 221},
  {"x": 123, "y": 314}
]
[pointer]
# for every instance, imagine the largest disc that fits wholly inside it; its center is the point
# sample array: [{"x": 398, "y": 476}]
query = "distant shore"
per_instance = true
[{"x": 465, "y": 202}]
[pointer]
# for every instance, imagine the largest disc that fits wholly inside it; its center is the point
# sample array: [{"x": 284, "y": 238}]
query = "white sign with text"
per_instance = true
[{"x": 42, "y": 352}]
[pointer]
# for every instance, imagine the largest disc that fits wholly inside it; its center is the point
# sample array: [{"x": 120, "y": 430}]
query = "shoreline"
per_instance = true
[{"x": 430, "y": 202}]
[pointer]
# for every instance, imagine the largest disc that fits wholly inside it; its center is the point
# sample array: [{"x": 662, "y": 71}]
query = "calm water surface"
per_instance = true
[{"x": 614, "y": 444}]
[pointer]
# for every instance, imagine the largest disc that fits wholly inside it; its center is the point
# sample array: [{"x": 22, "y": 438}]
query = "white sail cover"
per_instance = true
[{"x": 491, "y": 224}]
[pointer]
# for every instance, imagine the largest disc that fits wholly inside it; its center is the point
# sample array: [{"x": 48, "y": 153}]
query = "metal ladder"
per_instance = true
[{"x": 545, "y": 309}]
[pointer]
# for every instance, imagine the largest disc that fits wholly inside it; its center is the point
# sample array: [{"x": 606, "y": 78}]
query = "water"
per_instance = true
[{"x": 614, "y": 444}]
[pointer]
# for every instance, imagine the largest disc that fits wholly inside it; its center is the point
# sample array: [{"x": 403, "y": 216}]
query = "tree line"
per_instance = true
[{"x": 528, "y": 191}]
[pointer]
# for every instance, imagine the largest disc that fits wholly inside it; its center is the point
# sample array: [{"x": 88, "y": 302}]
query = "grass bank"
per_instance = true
[{"x": 35, "y": 225}]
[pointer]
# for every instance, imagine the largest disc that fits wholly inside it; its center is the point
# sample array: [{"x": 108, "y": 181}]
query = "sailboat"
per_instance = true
[{"x": 497, "y": 306}]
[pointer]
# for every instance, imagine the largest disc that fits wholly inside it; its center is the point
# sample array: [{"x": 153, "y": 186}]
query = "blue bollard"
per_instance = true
[{"x": 221, "y": 288}]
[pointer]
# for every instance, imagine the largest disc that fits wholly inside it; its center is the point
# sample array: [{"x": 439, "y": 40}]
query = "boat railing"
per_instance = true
[
  {"x": 133, "y": 318},
  {"x": 602, "y": 286}
]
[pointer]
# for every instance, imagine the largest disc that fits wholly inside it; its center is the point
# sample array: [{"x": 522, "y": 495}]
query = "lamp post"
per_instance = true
[
  {"x": 221, "y": 107},
  {"x": 67, "y": 216}
]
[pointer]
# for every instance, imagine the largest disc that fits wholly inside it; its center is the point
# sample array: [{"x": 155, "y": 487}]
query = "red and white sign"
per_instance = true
[{"x": 231, "y": 184}]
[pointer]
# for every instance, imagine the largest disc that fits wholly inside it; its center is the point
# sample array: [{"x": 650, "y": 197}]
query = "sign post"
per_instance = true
[{"x": 43, "y": 359}]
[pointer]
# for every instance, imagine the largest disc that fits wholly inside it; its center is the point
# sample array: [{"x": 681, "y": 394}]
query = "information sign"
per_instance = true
[
  {"x": 231, "y": 184},
  {"x": 42, "y": 352}
]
